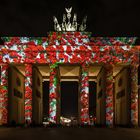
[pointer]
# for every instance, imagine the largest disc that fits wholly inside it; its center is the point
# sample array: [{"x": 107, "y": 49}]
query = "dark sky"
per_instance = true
[{"x": 34, "y": 18}]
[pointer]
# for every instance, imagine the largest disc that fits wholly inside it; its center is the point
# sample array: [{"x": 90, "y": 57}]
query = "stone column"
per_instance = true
[
  {"x": 28, "y": 93},
  {"x": 53, "y": 95},
  {"x": 134, "y": 94},
  {"x": 4, "y": 94},
  {"x": 58, "y": 97},
  {"x": 109, "y": 95},
  {"x": 84, "y": 95}
]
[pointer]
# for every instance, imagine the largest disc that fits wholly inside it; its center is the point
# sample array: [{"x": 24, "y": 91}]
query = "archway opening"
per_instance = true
[
  {"x": 92, "y": 101},
  {"x": 45, "y": 100},
  {"x": 69, "y": 101}
]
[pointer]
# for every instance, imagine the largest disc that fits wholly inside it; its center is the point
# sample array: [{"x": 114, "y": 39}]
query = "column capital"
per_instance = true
[
  {"x": 84, "y": 67},
  {"x": 108, "y": 66},
  {"x": 54, "y": 65},
  {"x": 134, "y": 65}
]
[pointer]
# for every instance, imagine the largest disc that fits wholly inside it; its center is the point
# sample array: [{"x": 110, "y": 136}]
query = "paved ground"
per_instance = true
[{"x": 69, "y": 134}]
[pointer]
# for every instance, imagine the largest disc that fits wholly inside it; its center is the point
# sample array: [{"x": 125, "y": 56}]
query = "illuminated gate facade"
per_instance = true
[{"x": 69, "y": 46}]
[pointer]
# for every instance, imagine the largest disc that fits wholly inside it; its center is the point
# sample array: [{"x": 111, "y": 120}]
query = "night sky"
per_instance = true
[{"x": 34, "y": 18}]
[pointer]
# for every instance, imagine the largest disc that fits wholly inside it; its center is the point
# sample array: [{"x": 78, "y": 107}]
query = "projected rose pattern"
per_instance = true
[{"x": 63, "y": 47}]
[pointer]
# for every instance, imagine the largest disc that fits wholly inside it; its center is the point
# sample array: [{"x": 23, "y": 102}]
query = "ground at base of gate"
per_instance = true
[{"x": 69, "y": 133}]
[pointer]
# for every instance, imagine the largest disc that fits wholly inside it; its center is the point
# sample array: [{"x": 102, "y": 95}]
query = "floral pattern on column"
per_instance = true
[
  {"x": 53, "y": 94},
  {"x": 4, "y": 94},
  {"x": 84, "y": 96},
  {"x": 134, "y": 94},
  {"x": 109, "y": 95},
  {"x": 28, "y": 92}
]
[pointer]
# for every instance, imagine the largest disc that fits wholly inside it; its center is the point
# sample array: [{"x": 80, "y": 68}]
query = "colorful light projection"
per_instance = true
[
  {"x": 28, "y": 93},
  {"x": 4, "y": 94},
  {"x": 111, "y": 41},
  {"x": 53, "y": 94},
  {"x": 67, "y": 47},
  {"x": 63, "y": 37},
  {"x": 64, "y": 47},
  {"x": 84, "y": 95}
]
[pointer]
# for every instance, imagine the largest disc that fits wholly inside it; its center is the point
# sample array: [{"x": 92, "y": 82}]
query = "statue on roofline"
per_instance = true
[{"x": 68, "y": 26}]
